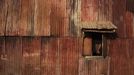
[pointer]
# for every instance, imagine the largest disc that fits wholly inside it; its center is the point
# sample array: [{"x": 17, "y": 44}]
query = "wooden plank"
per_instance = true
[
  {"x": 31, "y": 55},
  {"x": 13, "y": 60},
  {"x": 69, "y": 55},
  {"x": 49, "y": 57}
]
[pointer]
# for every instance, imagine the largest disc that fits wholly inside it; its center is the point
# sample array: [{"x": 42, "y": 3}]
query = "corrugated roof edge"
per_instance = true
[{"x": 98, "y": 25}]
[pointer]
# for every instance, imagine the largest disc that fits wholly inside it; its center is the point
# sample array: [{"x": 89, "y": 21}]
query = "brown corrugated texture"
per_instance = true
[
  {"x": 49, "y": 56},
  {"x": 121, "y": 49},
  {"x": 121, "y": 53},
  {"x": 69, "y": 56},
  {"x": 39, "y": 56},
  {"x": 13, "y": 56},
  {"x": 96, "y": 10},
  {"x": 24, "y": 18},
  {"x": 31, "y": 48},
  {"x": 2, "y": 55},
  {"x": 59, "y": 53},
  {"x": 59, "y": 20},
  {"x": 119, "y": 8},
  {"x": 94, "y": 67},
  {"x": 36, "y": 17}
]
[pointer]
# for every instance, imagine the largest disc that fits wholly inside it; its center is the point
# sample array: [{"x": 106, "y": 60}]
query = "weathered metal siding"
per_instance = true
[
  {"x": 60, "y": 53},
  {"x": 122, "y": 58},
  {"x": 96, "y": 10},
  {"x": 35, "y": 18},
  {"x": 39, "y": 56},
  {"x": 121, "y": 49}
]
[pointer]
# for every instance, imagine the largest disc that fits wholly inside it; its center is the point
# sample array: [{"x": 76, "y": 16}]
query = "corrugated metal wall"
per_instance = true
[
  {"x": 39, "y": 56},
  {"x": 121, "y": 49},
  {"x": 39, "y": 37}
]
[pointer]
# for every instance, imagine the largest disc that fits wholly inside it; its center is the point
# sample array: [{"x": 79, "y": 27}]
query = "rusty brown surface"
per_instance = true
[
  {"x": 121, "y": 57},
  {"x": 49, "y": 56},
  {"x": 60, "y": 53},
  {"x": 69, "y": 56},
  {"x": 2, "y": 55},
  {"x": 94, "y": 67},
  {"x": 24, "y": 18},
  {"x": 96, "y": 10},
  {"x": 31, "y": 55},
  {"x": 119, "y": 8},
  {"x": 13, "y": 56},
  {"x": 87, "y": 46}
]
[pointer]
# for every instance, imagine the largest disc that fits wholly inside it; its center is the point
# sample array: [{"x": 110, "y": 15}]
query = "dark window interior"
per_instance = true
[{"x": 96, "y": 43}]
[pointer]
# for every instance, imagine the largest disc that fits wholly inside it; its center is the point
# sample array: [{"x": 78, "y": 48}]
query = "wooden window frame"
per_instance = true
[{"x": 103, "y": 45}]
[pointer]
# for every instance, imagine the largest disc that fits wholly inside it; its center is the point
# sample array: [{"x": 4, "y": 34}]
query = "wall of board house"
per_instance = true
[{"x": 38, "y": 37}]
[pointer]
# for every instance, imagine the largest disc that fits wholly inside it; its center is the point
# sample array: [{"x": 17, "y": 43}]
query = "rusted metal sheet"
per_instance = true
[
  {"x": 2, "y": 55},
  {"x": 69, "y": 56},
  {"x": 12, "y": 17},
  {"x": 129, "y": 21},
  {"x": 131, "y": 55},
  {"x": 3, "y": 13},
  {"x": 31, "y": 47},
  {"x": 34, "y": 18},
  {"x": 119, "y": 8},
  {"x": 120, "y": 57},
  {"x": 92, "y": 11},
  {"x": 42, "y": 17},
  {"x": 59, "y": 19},
  {"x": 27, "y": 21},
  {"x": 25, "y": 18},
  {"x": 94, "y": 66},
  {"x": 98, "y": 25},
  {"x": 50, "y": 57},
  {"x": 96, "y": 10},
  {"x": 88, "y": 10},
  {"x": 13, "y": 56},
  {"x": 130, "y": 5}
]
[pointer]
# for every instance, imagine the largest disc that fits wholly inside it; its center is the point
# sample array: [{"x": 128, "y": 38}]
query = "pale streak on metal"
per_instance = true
[
  {"x": 58, "y": 65},
  {"x": 76, "y": 15},
  {"x": 35, "y": 11}
]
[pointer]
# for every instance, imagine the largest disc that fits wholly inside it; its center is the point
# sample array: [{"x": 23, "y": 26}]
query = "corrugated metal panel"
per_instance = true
[
  {"x": 50, "y": 57},
  {"x": 101, "y": 27},
  {"x": 69, "y": 55},
  {"x": 2, "y": 55},
  {"x": 94, "y": 66},
  {"x": 59, "y": 18},
  {"x": 3, "y": 10},
  {"x": 119, "y": 8},
  {"x": 129, "y": 21},
  {"x": 96, "y": 10},
  {"x": 25, "y": 18},
  {"x": 31, "y": 47},
  {"x": 120, "y": 52},
  {"x": 13, "y": 56}
]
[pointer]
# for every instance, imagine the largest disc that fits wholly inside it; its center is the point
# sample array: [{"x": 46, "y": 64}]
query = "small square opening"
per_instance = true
[{"x": 93, "y": 44}]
